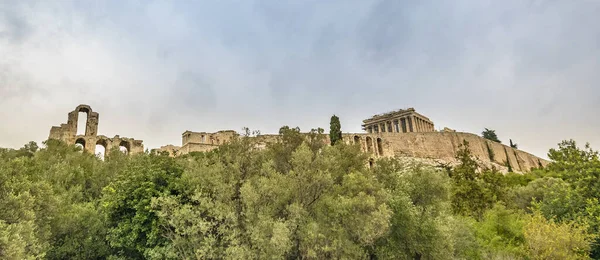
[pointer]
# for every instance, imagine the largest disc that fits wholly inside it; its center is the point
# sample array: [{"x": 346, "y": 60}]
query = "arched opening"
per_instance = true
[
  {"x": 369, "y": 144},
  {"x": 371, "y": 163},
  {"x": 80, "y": 143},
  {"x": 379, "y": 147},
  {"x": 82, "y": 117},
  {"x": 356, "y": 139},
  {"x": 124, "y": 147},
  {"x": 100, "y": 151}
]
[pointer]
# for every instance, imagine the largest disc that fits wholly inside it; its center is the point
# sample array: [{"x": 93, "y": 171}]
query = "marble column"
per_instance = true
[
  {"x": 400, "y": 128},
  {"x": 416, "y": 121}
]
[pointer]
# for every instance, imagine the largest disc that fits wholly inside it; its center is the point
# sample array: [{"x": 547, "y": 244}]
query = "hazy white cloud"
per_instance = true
[{"x": 153, "y": 69}]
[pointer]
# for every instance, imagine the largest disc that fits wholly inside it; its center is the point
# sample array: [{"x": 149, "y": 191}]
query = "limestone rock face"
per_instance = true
[{"x": 443, "y": 146}]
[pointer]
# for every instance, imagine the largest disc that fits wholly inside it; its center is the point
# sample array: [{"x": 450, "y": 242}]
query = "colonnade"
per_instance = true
[{"x": 401, "y": 125}]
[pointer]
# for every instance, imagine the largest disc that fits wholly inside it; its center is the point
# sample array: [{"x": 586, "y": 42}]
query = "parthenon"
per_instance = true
[{"x": 398, "y": 121}]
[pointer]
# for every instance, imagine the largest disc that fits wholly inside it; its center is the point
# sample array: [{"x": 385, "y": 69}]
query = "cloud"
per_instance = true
[{"x": 154, "y": 69}]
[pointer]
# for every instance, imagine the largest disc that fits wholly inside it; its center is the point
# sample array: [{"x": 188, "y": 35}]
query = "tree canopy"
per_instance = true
[{"x": 295, "y": 199}]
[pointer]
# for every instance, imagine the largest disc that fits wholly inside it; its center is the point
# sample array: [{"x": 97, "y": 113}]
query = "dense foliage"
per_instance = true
[{"x": 296, "y": 199}]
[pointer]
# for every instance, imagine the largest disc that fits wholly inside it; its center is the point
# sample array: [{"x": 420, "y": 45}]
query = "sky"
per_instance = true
[{"x": 529, "y": 69}]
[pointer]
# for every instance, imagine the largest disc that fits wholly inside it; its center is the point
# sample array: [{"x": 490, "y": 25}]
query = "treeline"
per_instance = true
[{"x": 297, "y": 199}]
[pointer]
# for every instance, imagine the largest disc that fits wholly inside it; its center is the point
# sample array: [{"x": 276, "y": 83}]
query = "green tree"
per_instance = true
[
  {"x": 134, "y": 230},
  {"x": 475, "y": 190},
  {"x": 335, "y": 130},
  {"x": 326, "y": 204},
  {"x": 420, "y": 202},
  {"x": 500, "y": 234},
  {"x": 547, "y": 239},
  {"x": 490, "y": 135},
  {"x": 579, "y": 200}
]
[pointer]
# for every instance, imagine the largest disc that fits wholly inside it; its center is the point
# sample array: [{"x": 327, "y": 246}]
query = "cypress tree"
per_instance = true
[{"x": 335, "y": 130}]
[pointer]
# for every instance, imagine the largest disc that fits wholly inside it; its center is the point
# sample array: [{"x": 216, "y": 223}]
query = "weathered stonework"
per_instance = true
[
  {"x": 442, "y": 147},
  {"x": 399, "y": 121},
  {"x": 68, "y": 134},
  {"x": 198, "y": 142},
  {"x": 399, "y": 134}
]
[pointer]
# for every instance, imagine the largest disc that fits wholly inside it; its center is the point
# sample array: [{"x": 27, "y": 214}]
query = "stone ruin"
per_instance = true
[
  {"x": 68, "y": 134},
  {"x": 401, "y": 134},
  {"x": 399, "y": 121},
  {"x": 198, "y": 142}
]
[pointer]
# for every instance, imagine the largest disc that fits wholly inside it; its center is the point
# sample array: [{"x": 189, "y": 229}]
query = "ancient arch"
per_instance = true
[
  {"x": 125, "y": 147},
  {"x": 101, "y": 148},
  {"x": 356, "y": 139},
  {"x": 102, "y": 142},
  {"x": 81, "y": 126},
  {"x": 81, "y": 142},
  {"x": 379, "y": 146},
  {"x": 369, "y": 144}
]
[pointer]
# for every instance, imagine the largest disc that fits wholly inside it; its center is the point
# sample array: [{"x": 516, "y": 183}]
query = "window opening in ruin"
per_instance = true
[
  {"x": 371, "y": 163},
  {"x": 356, "y": 139},
  {"x": 379, "y": 146},
  {"x": 81, "y": 122},
  {"x": 100, "y": 151},
  {"x": 203, "y": 139},
  {"x": 369, "y": 144},
  {"x": 124, "y": 147}
]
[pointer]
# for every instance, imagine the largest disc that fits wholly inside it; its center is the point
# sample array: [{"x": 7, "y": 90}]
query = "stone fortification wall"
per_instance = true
[{"x": 442, "y": 146}]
